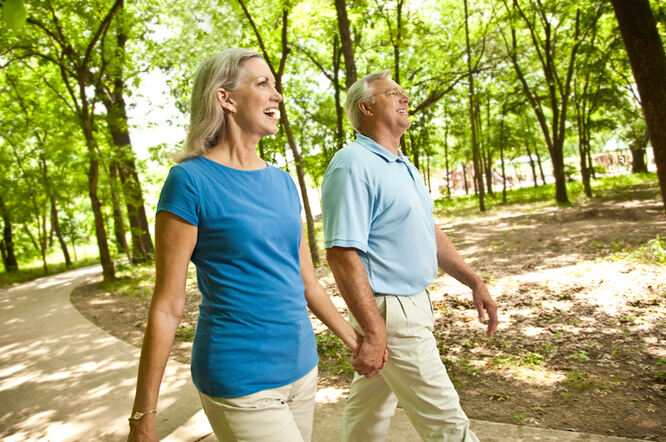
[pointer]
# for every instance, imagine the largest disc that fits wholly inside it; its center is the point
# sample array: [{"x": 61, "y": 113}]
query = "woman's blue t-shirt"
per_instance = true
[{"x": 253, "y": 331}]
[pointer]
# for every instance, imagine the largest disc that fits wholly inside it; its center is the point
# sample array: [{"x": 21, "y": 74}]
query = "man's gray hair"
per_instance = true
[
  {"x": 221, "y": 70},
  {"x": 359, "y": 92}
]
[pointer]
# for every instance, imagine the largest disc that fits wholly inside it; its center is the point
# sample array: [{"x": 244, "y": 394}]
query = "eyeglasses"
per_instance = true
[{"x": 393, "y": 92}]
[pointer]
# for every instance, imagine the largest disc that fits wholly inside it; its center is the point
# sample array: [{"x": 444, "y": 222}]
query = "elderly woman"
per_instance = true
[{"x": 237, "y": 219}]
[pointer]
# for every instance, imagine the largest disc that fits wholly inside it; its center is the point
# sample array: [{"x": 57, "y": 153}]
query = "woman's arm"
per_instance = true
[
  {"x": 174, "y": 242},
  {"x": 321, "y": 304}
]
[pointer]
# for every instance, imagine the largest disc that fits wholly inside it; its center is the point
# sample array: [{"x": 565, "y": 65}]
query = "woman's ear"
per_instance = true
[{"x": 225, "y": 101}]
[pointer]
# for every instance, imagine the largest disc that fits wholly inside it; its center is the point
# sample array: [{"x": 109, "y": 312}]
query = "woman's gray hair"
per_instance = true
[
  {"x": 206, "y": 128},
  {"x": 358, "y": 92}
]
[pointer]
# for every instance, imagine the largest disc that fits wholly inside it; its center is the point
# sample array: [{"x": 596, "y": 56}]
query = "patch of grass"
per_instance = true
[
  {"x": 533, "y": 359},
  {"x": 612, "y": 188},
  {"x": 580, "y": 356},
  {"x": 578, "y": 381},
  {"x": 660, "y": 377},
  {"x": 334, "y": 355},
  {"x": 628, "y": 186},
  {"x": 651, "y": 252},
  {"x": 132, "y": 280},
  {"x": 35, "y": 270},
  {"x": 185, "y": 333}
]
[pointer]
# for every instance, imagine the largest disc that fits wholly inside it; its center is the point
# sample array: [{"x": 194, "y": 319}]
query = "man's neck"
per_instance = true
[{"x": 387, "y": 141}]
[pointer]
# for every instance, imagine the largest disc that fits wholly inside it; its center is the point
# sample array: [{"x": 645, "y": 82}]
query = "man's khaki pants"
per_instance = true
[
  {"x": 283, "y": 414},
  {"x": 413, "y": 375}
]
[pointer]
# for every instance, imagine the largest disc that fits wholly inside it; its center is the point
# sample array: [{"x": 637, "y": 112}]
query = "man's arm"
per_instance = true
[
  {"x": 452, "y": 263},
  {"x": 352, "y": 281}
]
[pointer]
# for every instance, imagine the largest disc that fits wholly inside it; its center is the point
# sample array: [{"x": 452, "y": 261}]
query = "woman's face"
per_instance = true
[{"x": 256, "y": 100}]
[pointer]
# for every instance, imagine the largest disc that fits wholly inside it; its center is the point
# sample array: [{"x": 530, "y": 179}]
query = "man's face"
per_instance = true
[{"x": 391, "y": 105}]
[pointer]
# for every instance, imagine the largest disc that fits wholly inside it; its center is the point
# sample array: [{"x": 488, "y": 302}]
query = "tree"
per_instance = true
[
  {"x": 346, "y": 42},
  {"x": 555, "y": 47},
  {"x": 111, "y": 92},
  {"x": 7, "y": 241},
  {"x": 648, "y": 63},
  {"x": 478, "y": 173},
  {"x": 76, "y": 55}
]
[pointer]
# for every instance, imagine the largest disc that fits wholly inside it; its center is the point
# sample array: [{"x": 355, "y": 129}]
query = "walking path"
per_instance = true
[{"x": 64, "y": 379}]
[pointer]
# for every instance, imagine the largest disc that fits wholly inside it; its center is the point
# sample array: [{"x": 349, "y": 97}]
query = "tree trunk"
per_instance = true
[
  {"x": 532, "y": 166},
  {"x": 584, "y": 169},
  {"x": 648, "y": 64},
  {"x": 55, "y": 223},
  {"x": 339, "y": 110},
  {"x": 113, "y": 99},
  {"x": 118, "y": 224},
  {"x": 489, "y": 155},
  {"x": 478, "y": 174},
  {"x": 557, "y": 158},
  {"x": 8, "y": 256},
  {"x": 545, "y": 40},
  {"x": 298, "y": 160},
  {"x": 413, "y": 141},
  {"x": 637, "y": 147},
  {"x": 538, "y": 157},
  {"x": 142, "y": 244},
  {"x": 108, "y": 271},
  {"x": 446, "y": 157},
  {"x": 465, "y": 179},
  {"x": 501, "y": 147},
  {"x": 345, "y": 39}
]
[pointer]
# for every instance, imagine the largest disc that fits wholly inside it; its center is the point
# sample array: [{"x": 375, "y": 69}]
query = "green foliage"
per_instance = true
[
  {"x": 656, "y": 250},
  {"x": 132, "y": 280},
  {"x": 14, "y": 14},
  {"x": 35, "y": 270},
  {"x": 579, "y": 357},
  {"x": 185, "y": 333},
  {"x": 533, "y": 359},
  {"x": 599, "y": 169},
  {"x": 422, "y": 44},
  {"x": 334, "y": 355},
  {"x": 570, "y": 171},
  {"x": 614, "y": 188}
]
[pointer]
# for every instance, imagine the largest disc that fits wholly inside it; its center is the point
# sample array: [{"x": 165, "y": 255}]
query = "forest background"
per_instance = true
[
  {"x": 511, "y": 101},
  {"x": 491, "y": 83}
]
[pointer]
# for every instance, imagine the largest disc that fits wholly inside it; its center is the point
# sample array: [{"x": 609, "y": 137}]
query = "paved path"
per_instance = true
[{"x": 64, "y": 379}]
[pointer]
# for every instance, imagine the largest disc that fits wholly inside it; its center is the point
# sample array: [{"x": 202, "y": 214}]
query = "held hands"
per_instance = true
[
  {"x": 484, "y": 303},
  {"x": 370, "y": 356}
]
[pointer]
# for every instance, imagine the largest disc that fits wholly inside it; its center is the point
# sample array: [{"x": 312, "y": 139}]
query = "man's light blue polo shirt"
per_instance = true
[{"x": 376, "y": 202}]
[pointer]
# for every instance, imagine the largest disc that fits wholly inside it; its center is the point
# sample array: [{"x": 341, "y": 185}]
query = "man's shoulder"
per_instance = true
[{"x": 352, "y": 155}]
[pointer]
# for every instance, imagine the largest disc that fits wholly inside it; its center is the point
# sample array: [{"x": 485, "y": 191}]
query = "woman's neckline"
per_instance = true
[{"x": 266, "y": 166}]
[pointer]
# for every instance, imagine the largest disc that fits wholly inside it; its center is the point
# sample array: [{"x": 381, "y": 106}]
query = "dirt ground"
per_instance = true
[{"x": 582, "y": 340}]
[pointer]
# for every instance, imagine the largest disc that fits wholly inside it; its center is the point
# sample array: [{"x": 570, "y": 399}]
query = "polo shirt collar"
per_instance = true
[{"x": 378, "y": 149}]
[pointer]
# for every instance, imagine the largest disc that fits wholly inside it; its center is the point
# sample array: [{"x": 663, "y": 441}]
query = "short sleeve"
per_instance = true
[
  {"x": 346, "y": 209},
  {"x": 179, "y": 196}
]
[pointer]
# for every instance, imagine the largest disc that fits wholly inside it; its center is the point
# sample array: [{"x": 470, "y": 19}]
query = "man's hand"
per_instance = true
[
  {"x": 370, "y": 357},
  {"x": 485, "y": 304}
]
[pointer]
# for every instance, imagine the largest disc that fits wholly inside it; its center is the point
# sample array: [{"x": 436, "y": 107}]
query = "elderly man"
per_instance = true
[{"x": 384, "y": 249}]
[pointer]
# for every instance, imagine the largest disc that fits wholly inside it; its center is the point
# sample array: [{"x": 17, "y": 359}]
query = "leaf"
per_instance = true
[{"x": 14, "y": 14}]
